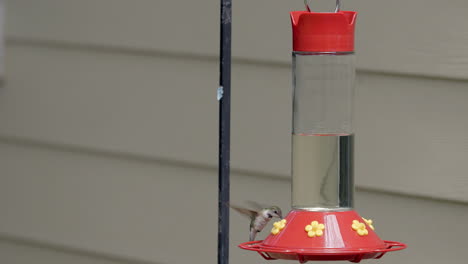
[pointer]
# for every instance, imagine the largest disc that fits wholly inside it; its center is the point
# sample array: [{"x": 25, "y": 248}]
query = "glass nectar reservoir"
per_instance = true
[{"x": 322, "y": 133}]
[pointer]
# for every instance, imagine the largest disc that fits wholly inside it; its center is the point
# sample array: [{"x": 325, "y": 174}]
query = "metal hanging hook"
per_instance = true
[{"x": 337, "y": 8}]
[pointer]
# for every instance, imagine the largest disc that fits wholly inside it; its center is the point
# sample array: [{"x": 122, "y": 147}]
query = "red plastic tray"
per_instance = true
[{"x": 304, "y": 255}]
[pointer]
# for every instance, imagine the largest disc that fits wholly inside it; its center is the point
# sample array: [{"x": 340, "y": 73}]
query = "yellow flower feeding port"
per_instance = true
[
  {"x": 360, "y": 228},
  {"x": 314, "y": 229},
  {"x": 278, "y": 226}
]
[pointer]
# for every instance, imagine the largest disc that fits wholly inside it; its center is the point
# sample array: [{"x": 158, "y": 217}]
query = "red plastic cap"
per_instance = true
[{"x": 323, "y": 32}]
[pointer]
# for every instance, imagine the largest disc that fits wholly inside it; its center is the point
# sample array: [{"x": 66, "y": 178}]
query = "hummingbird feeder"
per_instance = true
[{"x": 323, "y": 224}]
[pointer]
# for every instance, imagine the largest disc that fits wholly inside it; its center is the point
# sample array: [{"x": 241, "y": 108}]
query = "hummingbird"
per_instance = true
[{"x": 259, "y": 218}]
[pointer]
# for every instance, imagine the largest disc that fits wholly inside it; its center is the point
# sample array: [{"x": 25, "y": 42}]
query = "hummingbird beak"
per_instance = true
[{"x": 280, "y": 216}]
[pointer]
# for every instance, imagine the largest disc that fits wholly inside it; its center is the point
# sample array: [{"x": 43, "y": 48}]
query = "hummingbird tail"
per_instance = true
[{"x": 252, "y": 235}]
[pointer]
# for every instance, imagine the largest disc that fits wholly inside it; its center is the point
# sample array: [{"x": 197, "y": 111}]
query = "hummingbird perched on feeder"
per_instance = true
[{"x": 259, "y": 218}]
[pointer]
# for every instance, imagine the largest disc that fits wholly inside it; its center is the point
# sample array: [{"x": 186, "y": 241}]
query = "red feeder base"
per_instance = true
[{"x": 332, "y": 236}]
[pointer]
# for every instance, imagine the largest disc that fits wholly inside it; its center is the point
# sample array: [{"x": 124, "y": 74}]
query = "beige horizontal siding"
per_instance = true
[
  {"x": 153, "y": 212},
  {"x": 152, "y": 106},
  {"x": 14, "y": 250},
  {"x": 136, "y": 210},
  {"x": 425, "y": 37},
  {"x": 411, "y": 135},
  {"x": 410, "y": 131}
]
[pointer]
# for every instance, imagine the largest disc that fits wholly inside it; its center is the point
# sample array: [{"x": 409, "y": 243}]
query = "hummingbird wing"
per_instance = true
[
  {"x": 244, "y": 211},
  {"x": 256, "y": 206}
]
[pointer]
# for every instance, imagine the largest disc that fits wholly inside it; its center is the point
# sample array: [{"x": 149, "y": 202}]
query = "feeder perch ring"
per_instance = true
[{"x": 304, "y": 255}]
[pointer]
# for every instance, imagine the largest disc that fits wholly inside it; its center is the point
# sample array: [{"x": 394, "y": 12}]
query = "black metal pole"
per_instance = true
[{"x": 224, "y": 96}]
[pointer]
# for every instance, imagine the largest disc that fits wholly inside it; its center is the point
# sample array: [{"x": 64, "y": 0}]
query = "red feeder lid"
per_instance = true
[{"x": 323, "y": 32}]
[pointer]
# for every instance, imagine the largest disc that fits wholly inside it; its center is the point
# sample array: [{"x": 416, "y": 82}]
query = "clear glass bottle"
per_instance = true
[{"x": 322, "y": 134}]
